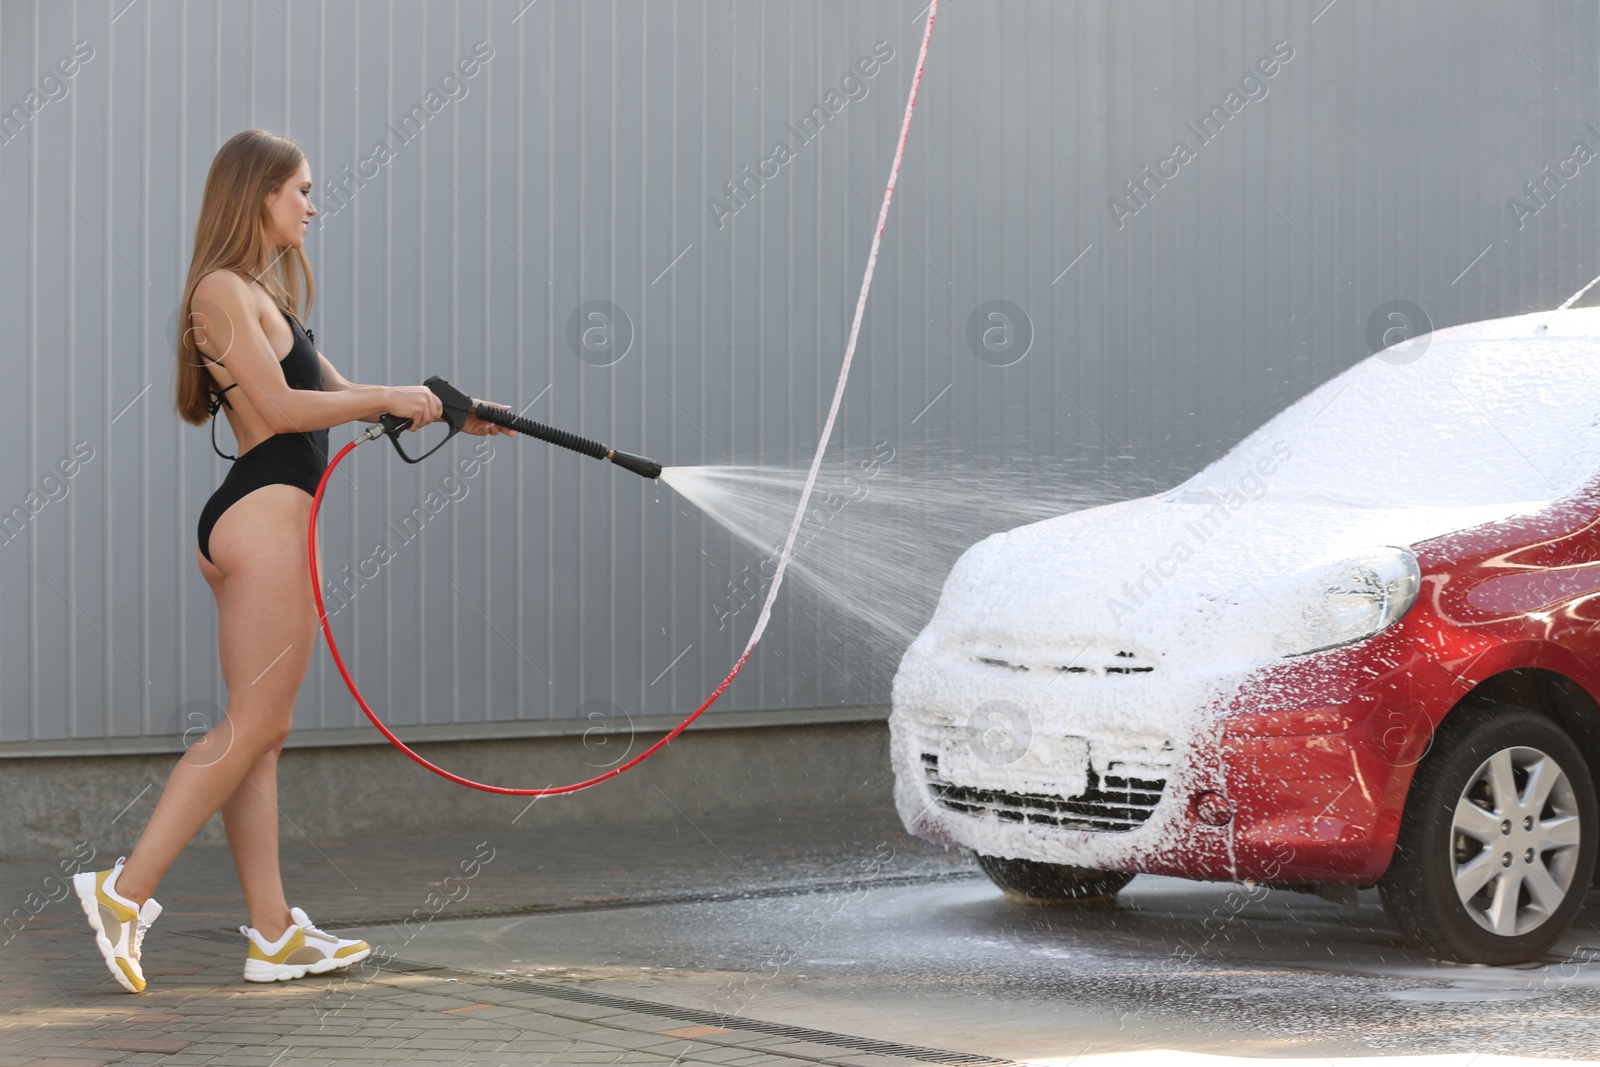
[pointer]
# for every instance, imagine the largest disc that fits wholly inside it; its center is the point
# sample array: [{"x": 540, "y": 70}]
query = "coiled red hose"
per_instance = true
[{"x": 783, "y": 561}]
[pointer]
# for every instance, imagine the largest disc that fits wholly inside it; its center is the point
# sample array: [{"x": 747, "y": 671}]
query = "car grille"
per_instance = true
[
  {"x": 1085, "y": 660},
  {"x": 1114, "y": 804}
]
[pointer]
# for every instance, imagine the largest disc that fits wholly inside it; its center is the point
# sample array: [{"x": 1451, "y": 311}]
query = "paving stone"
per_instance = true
[
  {"x": 210, "y": 1048},
  {"x": 64, "y": 1051},
  {"x": 634, "y": 1040},
  {"x": 350, "y": 1040},
  {"x": 709, "y": 1053},
  {"x": 138, "y": 1044},
  {"x": 380, "y": 1055},
  {"x": 432, "y": 1042}
]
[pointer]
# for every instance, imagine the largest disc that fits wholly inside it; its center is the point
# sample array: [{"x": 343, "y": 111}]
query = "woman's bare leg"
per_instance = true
[
  {"x": 265, "y": 634},
  {"x": 251, "y": 819},
  {"x": 251, "y": 814}
]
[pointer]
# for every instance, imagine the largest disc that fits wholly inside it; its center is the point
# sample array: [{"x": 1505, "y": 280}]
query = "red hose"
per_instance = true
[
  {"x": 316, "y": 506},
  {"x": 338, "y": 660}
]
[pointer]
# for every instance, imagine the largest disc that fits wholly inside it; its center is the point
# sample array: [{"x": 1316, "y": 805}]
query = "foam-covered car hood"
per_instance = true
[{"x": 1187, "y": 582}]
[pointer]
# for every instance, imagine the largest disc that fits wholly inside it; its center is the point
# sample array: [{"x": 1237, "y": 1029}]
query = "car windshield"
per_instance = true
[{"x": 1472, "y": 420}]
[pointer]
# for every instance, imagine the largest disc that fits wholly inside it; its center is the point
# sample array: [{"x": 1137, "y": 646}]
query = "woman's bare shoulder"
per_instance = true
[{"x": 223, "y": 283}]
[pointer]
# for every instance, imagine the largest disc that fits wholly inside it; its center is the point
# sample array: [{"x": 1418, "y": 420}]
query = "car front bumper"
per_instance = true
[{"x": 1266, "y": 785}]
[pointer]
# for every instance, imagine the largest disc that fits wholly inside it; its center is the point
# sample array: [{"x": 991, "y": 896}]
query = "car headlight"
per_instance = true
[{"x": 1351, "y": 600}]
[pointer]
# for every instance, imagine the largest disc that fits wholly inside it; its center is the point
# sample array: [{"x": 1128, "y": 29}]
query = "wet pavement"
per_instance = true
[{"x": 753, "y": 938}]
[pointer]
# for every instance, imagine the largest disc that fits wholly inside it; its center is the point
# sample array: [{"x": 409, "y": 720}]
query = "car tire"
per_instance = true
[
  {"x": 1053, "y": 882},
  {"x": 1449, "y": 885}
]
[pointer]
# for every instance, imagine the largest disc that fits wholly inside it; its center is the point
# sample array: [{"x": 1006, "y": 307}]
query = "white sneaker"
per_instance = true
[
  {"x": 119, "y": 924},
  {"x": 303, "y": 949}
]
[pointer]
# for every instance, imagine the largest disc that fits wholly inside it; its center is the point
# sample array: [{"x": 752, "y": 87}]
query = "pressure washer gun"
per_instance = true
[{"x": 457, "y": 408}]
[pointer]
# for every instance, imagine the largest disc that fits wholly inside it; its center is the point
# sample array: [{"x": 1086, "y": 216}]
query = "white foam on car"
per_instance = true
[{"x": 1202, "y": 585}]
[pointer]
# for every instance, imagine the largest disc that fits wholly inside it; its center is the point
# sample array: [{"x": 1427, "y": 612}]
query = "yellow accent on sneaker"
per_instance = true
[
  {"x": 120, "y": 907},
  {"x": 303, "y": 950},
  {"x": 131, "y": 980},
  {"x": 118, "y": 924},
  {"x": 259, "y": 953}
]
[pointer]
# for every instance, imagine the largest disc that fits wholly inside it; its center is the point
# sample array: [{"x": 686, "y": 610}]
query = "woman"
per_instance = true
[{"x": 248, "y": 277}]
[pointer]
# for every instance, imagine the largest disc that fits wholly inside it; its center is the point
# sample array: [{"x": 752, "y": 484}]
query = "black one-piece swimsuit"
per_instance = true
[{"x": 296, "y": 458}]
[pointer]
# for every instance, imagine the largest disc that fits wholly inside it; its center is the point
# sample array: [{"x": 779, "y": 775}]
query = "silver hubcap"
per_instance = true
[{"x": 1514, "y": 841}]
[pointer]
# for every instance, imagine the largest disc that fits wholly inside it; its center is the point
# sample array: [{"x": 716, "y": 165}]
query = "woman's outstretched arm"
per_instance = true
[
  {"x": 334, "y": 382},
  {"x": 222, "y": 313}
]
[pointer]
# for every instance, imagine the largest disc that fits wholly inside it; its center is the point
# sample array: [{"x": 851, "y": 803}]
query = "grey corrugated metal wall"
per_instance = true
[{"x": 1375, "y": 163}]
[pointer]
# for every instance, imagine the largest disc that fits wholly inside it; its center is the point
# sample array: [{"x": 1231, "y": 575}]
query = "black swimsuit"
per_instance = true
[{"x": 296, "y": 458}]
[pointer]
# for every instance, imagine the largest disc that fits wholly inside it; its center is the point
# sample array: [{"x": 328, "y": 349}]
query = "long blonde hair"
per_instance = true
[{"x": 231, "y": 235}]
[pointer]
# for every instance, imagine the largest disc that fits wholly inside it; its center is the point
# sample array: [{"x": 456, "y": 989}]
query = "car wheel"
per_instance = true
[
  {"x": 1497, "y": 840},
  {"x": 1052, "y": 881}
]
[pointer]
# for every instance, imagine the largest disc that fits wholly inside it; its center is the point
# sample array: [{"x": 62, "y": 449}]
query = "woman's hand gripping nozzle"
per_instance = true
[{"x": 458, "y": 407}]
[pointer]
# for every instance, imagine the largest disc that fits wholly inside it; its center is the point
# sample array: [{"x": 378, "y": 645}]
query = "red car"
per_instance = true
[{"x": 1362, "y": 648}]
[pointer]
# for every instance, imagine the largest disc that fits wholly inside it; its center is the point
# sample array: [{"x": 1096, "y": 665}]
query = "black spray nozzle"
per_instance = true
[
  {"x": 458, "y": 406},
  {"x": 645, "y": 468}
]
